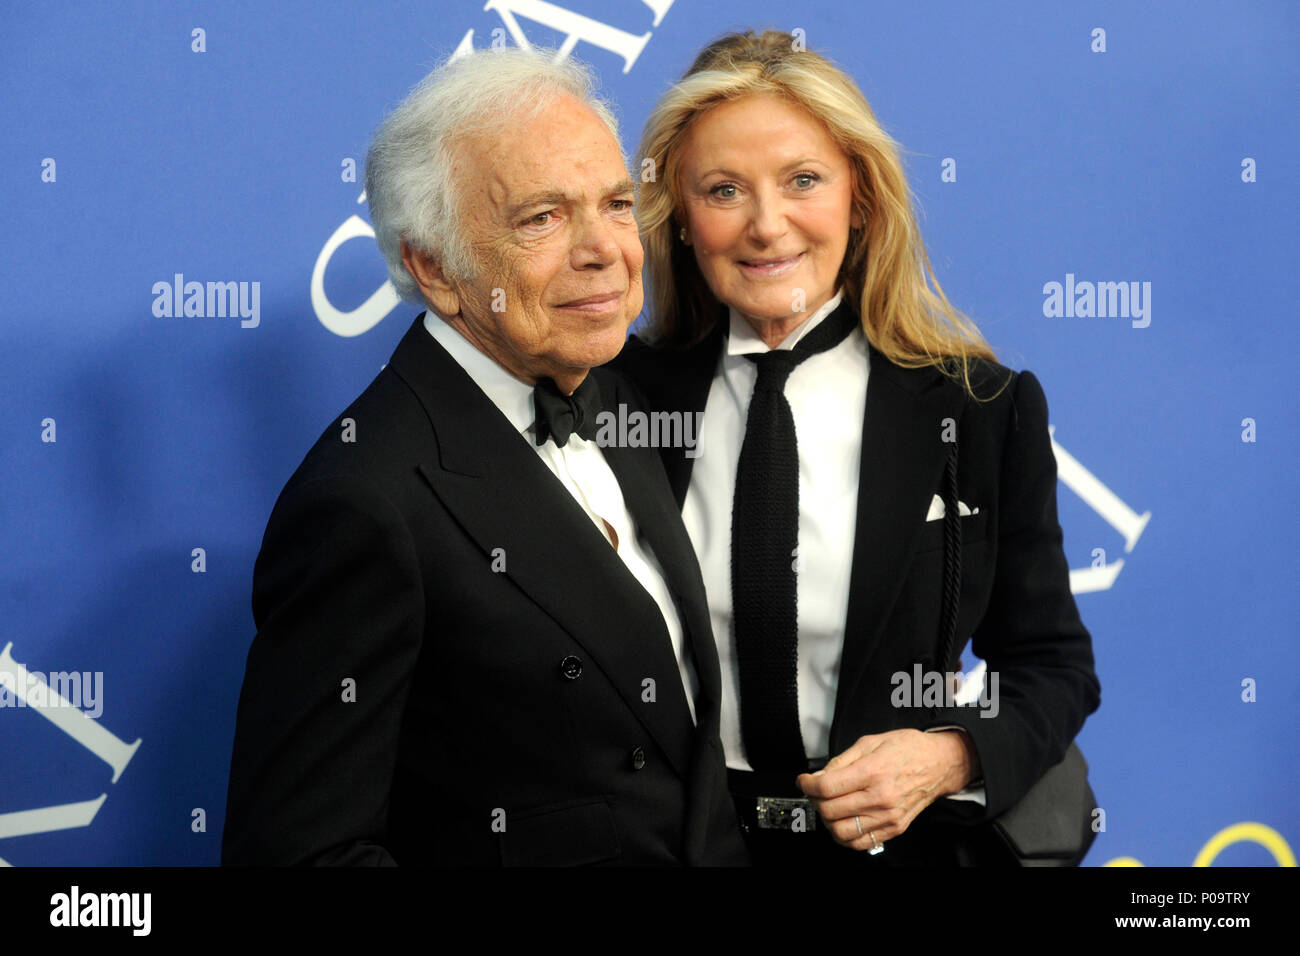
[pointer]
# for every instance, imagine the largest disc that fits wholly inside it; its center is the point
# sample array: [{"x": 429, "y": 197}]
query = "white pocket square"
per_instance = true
[{"x": 937, "y": 509}]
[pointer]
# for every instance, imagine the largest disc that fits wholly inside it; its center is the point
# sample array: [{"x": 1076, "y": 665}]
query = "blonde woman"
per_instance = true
[{"x": 869, "y": 488}]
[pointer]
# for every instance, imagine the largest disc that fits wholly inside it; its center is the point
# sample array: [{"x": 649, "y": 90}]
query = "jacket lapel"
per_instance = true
[
  {"x": 658, "y": 519},
  {"x": 505, "y": 497},
  {"x": 902, "y": 461},
  {"x": 683, "y": 385}
]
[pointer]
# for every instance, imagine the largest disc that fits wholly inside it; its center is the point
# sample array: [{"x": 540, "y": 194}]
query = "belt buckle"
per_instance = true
[{"x": 778, "y": 813}]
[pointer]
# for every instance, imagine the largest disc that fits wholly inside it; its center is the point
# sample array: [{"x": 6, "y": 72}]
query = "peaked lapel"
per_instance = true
[
  {"x": 678, "y": 381},
  {"x": 652, "y": 508},
  {"x": 505, "y": 497}
]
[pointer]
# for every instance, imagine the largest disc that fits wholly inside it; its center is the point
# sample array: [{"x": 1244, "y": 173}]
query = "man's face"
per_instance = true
[{"x": 546, "y": 210}]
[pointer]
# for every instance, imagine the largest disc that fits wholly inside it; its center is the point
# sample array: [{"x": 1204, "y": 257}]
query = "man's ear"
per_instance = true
[{"x": 427, "y": 272}]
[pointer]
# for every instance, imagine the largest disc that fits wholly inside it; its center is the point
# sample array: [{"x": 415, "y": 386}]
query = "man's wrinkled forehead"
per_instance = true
[{"x": 512, "y": 169}]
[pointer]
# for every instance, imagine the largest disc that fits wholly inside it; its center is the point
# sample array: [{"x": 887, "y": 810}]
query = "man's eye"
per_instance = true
[
  {"x": 541, "y": 219},
  {"x": 623, "y": 205}
]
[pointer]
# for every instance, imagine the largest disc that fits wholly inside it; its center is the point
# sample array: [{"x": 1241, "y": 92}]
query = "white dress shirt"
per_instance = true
[
  {"x": 581, "y": 468},
  {"x": 827, "y": 393}
]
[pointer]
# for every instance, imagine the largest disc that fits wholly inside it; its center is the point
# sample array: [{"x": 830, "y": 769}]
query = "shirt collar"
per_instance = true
[
  {"x": 742, "y": 339},
  {"x": 513, "y": 397}
]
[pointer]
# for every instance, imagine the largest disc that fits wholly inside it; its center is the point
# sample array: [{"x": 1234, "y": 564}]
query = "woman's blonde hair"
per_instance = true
[{"x": 885, "y": 267}]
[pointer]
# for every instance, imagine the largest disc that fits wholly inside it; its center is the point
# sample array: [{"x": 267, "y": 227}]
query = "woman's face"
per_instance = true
[{"x": 767, "y": 195}]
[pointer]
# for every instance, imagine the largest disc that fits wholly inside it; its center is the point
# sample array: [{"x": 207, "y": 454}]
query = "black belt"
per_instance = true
[
  {"x": 766, "y": 803},
  {"x": 769, "y": 800}
]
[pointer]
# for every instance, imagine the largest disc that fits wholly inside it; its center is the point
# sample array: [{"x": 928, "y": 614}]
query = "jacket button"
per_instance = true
[
  {"x": 571, "y": 667},
  {"x": 638, "y": 758}
]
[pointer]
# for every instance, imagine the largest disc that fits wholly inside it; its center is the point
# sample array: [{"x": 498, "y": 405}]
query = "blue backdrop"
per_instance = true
[{"x": 1089, "y": 142}]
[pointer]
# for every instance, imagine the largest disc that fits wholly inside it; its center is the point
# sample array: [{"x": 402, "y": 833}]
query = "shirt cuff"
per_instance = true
[{"x": 973, "y": 791}]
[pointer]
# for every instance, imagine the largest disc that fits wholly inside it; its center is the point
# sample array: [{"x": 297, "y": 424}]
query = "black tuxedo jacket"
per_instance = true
[
  {"x": 1015, "y": 599},
  {"x": 451, "y": 663}
]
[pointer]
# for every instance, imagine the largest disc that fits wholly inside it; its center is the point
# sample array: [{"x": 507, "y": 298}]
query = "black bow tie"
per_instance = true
[{"x": 559, "y": 415}]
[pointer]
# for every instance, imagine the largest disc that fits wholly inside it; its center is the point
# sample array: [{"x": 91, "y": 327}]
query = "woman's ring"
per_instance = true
[
  {"x": 859, "y": 823},
  {"x": 875, "y": 846}
]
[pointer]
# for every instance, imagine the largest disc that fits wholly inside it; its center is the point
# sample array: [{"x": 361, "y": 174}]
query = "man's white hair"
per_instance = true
[{"x": 409, "y": 183}]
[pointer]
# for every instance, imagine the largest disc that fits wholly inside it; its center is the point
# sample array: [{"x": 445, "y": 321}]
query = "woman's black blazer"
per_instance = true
[{"x": 1015, "y": 601}]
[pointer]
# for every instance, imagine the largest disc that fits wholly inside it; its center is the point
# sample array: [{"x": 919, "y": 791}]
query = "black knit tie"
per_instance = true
[{"x": 764, "y": 535}]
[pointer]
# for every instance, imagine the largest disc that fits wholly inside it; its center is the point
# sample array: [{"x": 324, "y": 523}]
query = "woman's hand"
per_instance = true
[{"x": 885, "y": 780}]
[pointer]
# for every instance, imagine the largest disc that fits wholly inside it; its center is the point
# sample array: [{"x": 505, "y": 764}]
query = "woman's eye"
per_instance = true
[
  {"x": 810, "y": 177},
  {"x": 717, "y": 190}
]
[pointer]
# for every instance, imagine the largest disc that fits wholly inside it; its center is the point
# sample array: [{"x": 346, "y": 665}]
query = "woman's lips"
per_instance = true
[{"x": 771, "y": 268}]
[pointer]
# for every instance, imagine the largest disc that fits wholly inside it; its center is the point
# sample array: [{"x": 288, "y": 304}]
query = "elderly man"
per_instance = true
[{"x": 482, "y": 638}]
